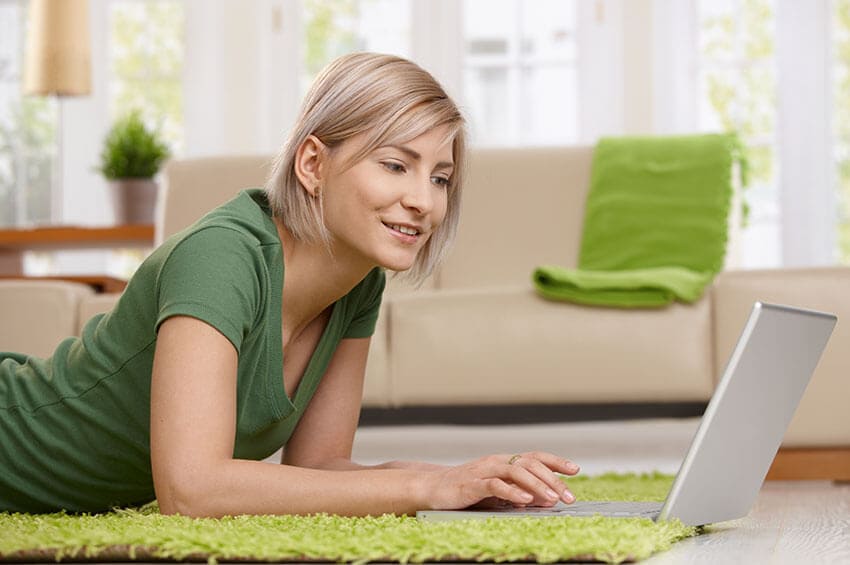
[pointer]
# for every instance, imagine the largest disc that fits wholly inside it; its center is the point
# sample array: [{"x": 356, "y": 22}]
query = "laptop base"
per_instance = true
[{"x": 580, "y": 508}]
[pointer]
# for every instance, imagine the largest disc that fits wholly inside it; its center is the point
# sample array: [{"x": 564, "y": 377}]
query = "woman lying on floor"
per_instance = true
[{"x": 249, "y": 331}]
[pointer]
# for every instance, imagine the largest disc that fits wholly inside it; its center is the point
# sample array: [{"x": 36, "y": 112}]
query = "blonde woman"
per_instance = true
[{"x": 249, "y": 331}]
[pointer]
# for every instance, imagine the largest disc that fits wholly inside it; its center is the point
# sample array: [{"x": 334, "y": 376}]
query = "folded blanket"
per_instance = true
[
  {"x": 632, "y": 288},
  {"x": 655, "y": 225}
]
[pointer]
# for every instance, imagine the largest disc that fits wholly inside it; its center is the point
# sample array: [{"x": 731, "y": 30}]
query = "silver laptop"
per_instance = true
[{"x": 739, "y": 434}]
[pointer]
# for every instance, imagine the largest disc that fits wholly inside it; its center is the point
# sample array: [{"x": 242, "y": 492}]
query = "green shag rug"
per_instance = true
[{"x": 144, "y": 534}]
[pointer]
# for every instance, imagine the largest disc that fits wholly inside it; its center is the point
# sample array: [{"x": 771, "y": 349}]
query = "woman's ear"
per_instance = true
[{"x": 310, "y": 164}]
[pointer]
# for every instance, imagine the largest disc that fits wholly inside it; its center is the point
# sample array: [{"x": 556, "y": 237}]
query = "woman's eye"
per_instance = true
[
  {"x": 393, "y": 166},
  {"x": 441, "y": 181}
]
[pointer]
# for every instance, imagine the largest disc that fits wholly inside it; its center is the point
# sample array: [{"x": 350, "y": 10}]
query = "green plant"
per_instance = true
[{"x": 131, "y": 150}]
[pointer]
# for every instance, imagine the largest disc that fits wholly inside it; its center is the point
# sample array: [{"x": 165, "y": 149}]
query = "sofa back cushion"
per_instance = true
[
  {"x": 521, "y": 208},
  {"x": 193, "y": 187}
]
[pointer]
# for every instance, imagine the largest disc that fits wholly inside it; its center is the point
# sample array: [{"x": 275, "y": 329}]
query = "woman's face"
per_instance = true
[{"x": 385, "y": 207}]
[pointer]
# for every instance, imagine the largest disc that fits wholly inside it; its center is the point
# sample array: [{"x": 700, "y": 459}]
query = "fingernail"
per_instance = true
[
  {"x": 527, "y": 496},
  {"x": 551, "y": 494},
  {"x": 568, "y": 497}
]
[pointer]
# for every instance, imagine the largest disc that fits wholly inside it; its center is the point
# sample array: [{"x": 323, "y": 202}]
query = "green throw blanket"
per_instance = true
[
  {"x": 145, "y": 535},
  {"x": 629, "y": 288},
  {"x": 655, "y": 225}
]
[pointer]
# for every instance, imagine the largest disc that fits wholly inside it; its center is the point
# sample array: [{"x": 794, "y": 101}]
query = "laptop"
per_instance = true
[{"x": 740, "y": 432}]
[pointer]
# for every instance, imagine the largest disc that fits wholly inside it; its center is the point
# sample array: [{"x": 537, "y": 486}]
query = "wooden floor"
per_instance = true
[
  {"x": 802, "y": 522},
  {"x": 792, "y": 522}
]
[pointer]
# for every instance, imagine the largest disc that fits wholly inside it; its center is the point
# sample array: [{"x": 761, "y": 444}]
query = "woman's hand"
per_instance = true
[{"x": 526, "y": 479}]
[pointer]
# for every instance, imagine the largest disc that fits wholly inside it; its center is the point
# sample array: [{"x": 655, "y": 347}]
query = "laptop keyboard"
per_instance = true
[{"x": 589, "y": 508}]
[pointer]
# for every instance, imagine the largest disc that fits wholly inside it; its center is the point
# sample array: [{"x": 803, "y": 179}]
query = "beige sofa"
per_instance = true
[{"x": 476, "y": 333}]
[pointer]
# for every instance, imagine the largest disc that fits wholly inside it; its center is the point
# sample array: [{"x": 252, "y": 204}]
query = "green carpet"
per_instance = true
[{"x": 143, "y": 533}]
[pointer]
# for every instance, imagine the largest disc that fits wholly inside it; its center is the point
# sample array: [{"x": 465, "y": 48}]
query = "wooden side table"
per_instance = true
[
  {"x": 100, "y": 283},
  {"x": 14, "y": 242}
]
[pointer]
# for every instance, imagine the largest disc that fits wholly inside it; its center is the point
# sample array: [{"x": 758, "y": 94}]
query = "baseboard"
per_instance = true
[
  {"x": 811, "y": 463},
  {"x": 484, "y": 415}
]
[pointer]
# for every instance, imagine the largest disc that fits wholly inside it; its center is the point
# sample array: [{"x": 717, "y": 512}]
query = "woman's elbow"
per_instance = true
[{"x": 185, "y": 496}]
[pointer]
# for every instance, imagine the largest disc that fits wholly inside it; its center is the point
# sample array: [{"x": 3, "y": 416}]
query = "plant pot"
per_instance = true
[{"x": 133, "y": 200}]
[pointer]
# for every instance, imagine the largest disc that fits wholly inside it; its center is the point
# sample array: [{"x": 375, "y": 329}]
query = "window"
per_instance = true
[
  {"x": 333, "y": 28},
  {"x": 146, "y": 64},
  {"x": 736, "y": 91},
  {"x": 146, "y": 74},
  {"x": 27, "y": 131},
  {"x": 519, "y": 71}
]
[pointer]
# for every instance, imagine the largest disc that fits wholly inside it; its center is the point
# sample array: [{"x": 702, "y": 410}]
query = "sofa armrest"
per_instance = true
[
  {"x": 39, "y": 314},
  {"x": 822, "y": 419},
  {"x": 95, "y": 304}
]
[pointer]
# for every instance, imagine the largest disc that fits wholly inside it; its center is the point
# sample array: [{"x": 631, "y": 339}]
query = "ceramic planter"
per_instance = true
[{"x": 133, "y": 200}]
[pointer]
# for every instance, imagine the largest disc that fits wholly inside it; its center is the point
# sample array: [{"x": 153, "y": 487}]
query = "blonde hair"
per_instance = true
[{"x": 392, "y": 101}]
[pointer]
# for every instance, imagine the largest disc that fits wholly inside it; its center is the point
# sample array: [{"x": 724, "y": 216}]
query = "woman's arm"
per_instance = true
[
  {"x": 193, "y": 421},
  {"x": 325, "y": 434},
  {"x": 193, "y": 416}
]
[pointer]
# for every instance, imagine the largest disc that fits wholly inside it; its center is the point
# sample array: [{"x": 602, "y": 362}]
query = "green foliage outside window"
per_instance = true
[
  {"x": 743, "y": 96},
  {"x": 147, "y": 64},
  {"x": 841, "y": 114},
  {"x": 327, "y": 32}
]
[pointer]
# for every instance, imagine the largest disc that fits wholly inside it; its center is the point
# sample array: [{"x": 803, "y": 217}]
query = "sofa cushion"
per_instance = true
[
  {"x": 193, "y": 187},
  {"x": 510, "y": 346},
  {"x": 822, "y": 418},
  {"x": 39, "y": 314},
  {"x": 376, "y": 389}
]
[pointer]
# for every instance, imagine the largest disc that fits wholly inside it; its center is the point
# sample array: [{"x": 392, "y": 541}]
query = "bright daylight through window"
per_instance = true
[{"x": 737, "y": 93}]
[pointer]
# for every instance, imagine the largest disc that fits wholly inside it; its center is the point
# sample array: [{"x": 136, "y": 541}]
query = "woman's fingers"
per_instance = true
[
  {"x": 501, "y": 489},
  {"x": 521, "y": 480},
  {"x": 556, "y": 489},
  {"x": 555, "y": 463},
  {"x": 535, "y": 473}
]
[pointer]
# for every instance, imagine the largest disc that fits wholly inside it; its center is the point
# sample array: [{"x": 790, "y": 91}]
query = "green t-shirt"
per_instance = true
[{"x": 75, "y": 428}]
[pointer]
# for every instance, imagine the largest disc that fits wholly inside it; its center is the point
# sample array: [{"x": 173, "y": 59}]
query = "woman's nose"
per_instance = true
[{"x": 419, "y": 196}]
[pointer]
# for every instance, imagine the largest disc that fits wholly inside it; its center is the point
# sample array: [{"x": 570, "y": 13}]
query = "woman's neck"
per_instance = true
[{"x": 314, "y": 278}]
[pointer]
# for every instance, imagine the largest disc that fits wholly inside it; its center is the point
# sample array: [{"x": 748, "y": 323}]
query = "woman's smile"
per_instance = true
[{"x": 405, "y": 233}]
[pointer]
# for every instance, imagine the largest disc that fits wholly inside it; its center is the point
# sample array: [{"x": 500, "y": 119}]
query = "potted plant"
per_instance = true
[{"x": 132, "y": 154}]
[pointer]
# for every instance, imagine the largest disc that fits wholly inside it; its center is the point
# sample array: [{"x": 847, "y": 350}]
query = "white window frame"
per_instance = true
[
  {"x": 806, "y": 167},
  {"x": 599, "y": 60}
]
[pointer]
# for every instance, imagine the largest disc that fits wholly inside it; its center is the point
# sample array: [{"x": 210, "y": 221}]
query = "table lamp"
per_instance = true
[{"x": 58, "y": 63}]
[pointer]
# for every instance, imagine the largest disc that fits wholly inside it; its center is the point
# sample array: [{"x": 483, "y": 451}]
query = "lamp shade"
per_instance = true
[{"x": 58, "y": 55}]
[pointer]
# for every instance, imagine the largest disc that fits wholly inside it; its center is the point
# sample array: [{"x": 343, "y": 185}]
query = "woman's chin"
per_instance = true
[
  {"x": 397, "y": 266},
  {"x": 397, "y": 263}
]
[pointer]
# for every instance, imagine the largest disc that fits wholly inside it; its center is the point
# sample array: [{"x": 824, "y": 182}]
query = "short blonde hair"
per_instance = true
[{"x": 389, "y": 99}]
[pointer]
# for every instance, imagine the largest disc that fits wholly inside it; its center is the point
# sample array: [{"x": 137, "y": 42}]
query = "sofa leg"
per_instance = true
[{"x": 817, "y": 463}]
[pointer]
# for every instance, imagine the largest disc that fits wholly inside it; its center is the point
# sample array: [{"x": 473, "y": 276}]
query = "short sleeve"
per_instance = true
[
  {"x": 368, "y": 304},
  {"x": 213, "y": 275}
]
